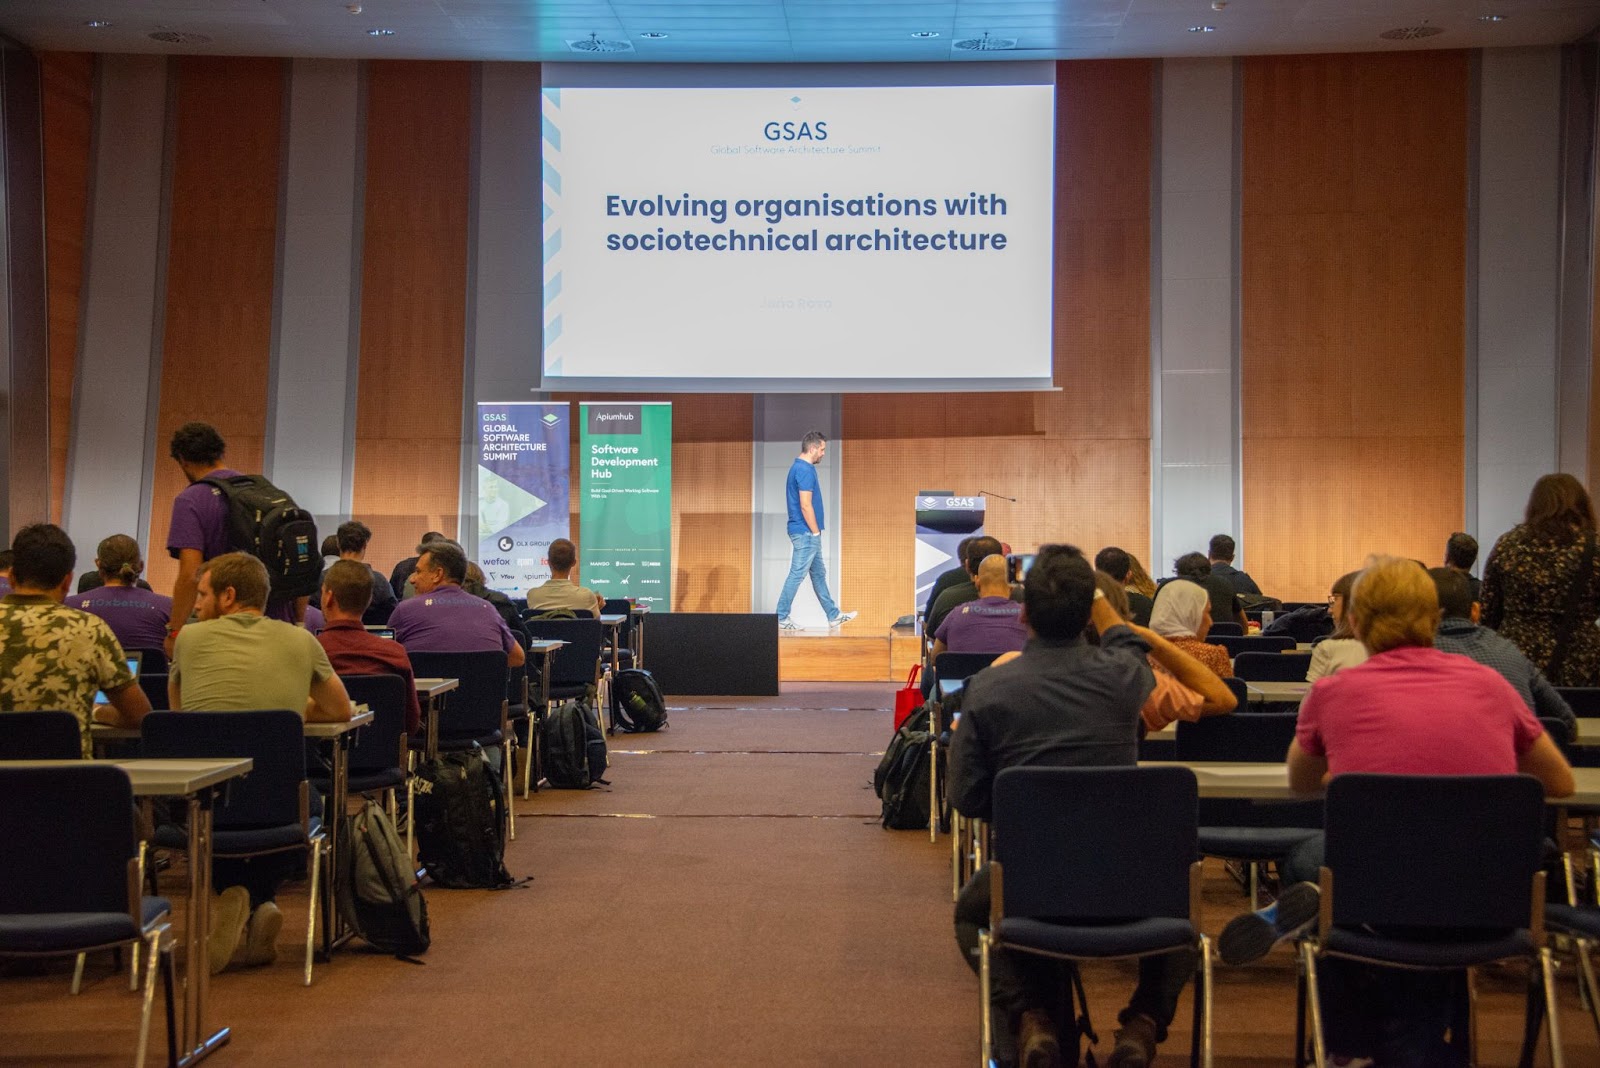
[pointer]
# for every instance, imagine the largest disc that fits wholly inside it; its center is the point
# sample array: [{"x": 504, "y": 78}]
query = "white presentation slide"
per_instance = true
[{"x": 818, "y": 238}]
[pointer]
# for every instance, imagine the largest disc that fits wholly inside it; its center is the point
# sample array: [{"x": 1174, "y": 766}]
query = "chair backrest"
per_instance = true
[
  {"x": 40, "y": 736},
  {"x": 274, "y": 739},
  {"x": 951, "y": 666},
  {"x": 155, "y": 690},
  {"x": 380, "y": 745},
  {"x": 577, "y": 662},
  {"x": 1260, "y": 738},
  {"x": 477, "y": 705},
  {"x": 1225, "y": 629},
  {"x": 69, "y": 836},
  {"x": 1584, "y": 700},
  {"x": 1559, "y": 734},
  {"x": 1434, "y": 850},
  {"x": 1096, "y": 843},
  {"x": 1241, "y": 694},
  {"x": 1235, "y": 644},
  {"x": 1272, "y": 667},
  {"x": 621, "y": 606}
]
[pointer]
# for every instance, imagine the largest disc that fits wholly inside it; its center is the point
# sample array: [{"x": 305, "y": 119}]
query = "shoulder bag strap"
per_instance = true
[{"x": 1569, "y": 617}]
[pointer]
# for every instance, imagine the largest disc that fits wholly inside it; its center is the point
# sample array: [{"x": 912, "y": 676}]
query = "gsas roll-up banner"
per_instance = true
[
  {"x": 524, "y": 491},
  {"x": 625, "y": 501}
]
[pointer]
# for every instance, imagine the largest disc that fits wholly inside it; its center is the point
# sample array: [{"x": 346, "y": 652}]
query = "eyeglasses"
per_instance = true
[{"x": 1331, "y": 598}]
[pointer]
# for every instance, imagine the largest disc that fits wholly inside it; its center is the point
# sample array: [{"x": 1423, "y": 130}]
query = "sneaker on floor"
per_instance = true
[
  {"x": 1135, "y": 1043},
  {"x": 1340, "y": 1061},
  {"x": 229, "y": 911},
  {"x": 788, "y": 626},
  {"x": 1037, "y": 1044},
  {"x": 260, "y": 944},
  {"x": 842, "y": 618},
  {"x": 1252, "y": 936}
]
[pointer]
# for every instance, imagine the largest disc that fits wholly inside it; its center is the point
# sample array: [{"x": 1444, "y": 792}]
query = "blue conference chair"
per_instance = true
[
  {"x": 378, "y": 754},
  {"x": 1255, "y": 643},
  {"x": 266, "y": 813},
  {"x": 1470, "y": 848},
  {"x": 79, "y": 890},
  {"x": 475, "y": 712},
  {"x": 1140, "y": 897},
  {"x": 1272, "y": 667},
  {"x": 40, "y": 736},
  {"x": 1581, "y": 923}
]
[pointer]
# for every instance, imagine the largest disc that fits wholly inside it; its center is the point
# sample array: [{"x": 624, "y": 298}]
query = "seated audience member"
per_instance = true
[
  {"x": 953, "y": 576},
  {"x": 1119, "y": 565},
  {"x": 54, "y": 658},
  {"x": 314, "y": 619},
  {"x": 1225, "y": 604},
  {"x": 6, "y": 558},
  {"x": 1221, "y": 559},
  {"x": 965, "y": 590},
  {"x": 1139, "y": 579},
  {"x": 1460, "y": 553},
  {"x": 93, "y": 580},
  {"x": 352, "y": 649},
  {"x": 1182, "y": 615},
  {"x": 560, "y": 591},
  {"x": 478, "y": 586},
  {"x": 235, "y": 660},
  {"x": 1342, "y": 648},
  {"x": 990, "y": 624},
  {"x": 1062, "y": 702},
  {"x": 351, "y": 543},
  {"x": 443, "y": 617},
  {"x": 1383, "y": 717},
  {"x": 1185, "y": 688},
  {"x": 138, "y": 617},
  {"x": 1460, "y": 633},
  {"x": 401, "y": 575}
]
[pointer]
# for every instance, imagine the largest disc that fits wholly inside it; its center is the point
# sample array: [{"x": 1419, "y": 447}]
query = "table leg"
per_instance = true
[
  {"x": 196, "y": 1042},
  {"x": 333, "y": 813},
  {"x": 638, "y": 642},
  {"x": 432, "y": 749}
]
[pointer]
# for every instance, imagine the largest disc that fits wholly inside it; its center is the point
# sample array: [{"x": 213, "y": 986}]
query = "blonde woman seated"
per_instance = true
[
  {"x": 1341, "y": 649},
  {"x": 1183, "y": 616}
]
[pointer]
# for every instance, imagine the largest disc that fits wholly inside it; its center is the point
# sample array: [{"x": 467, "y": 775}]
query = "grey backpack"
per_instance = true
[{"x": 379, "y": 895}]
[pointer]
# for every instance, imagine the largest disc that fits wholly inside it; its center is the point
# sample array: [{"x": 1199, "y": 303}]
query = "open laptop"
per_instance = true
[{"x": 134, "y": 661}]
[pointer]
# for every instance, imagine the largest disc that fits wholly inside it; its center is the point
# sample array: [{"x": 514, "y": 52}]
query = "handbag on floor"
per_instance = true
[{"x": 908, "y": 698}]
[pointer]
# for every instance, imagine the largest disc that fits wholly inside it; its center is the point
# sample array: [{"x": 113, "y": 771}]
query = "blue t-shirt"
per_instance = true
[{"x": 803, "y": 476}]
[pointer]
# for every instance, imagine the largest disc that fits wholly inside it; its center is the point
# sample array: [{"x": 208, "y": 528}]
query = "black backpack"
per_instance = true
[
  {"x": 1305, "y": 624},
  {"x": 572, "y": 747},
  {"x": 636, "y": 702},
  {"x": 902, "y": 777},
  {"x": 461, "y": 821},
  {"x": 379, "y": 895},
  {"x": 265, "y": 522}
]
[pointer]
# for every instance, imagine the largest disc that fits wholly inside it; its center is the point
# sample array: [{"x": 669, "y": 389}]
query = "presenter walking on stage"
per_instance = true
[{"x": 804, "y": 495}]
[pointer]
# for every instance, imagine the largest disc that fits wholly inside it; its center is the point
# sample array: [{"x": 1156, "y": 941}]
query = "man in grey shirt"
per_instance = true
[
  {"x": 1460, "y": 632},
  {"x": 1061, "y": 703},
  {"x": 561, "y": 591}
]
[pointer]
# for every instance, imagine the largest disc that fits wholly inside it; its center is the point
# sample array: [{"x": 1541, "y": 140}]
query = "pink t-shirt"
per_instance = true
[{"x": 1417, "y": 711}]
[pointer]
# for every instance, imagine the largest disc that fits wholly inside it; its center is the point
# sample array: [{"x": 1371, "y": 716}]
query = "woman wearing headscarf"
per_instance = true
[{"x": 1182, "y": 615}]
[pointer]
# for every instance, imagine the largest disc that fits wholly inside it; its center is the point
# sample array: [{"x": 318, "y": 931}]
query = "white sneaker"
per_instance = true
[
  {"x": 842, "y": 618},
  {"x": 788, "y": 626}
]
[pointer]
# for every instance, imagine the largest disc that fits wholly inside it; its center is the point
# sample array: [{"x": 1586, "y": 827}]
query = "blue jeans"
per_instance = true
[{"x": 807, "y": 558}]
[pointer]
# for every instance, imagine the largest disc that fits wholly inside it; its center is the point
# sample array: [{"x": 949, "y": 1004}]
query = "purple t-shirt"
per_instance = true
[
  {"x": 987, "y": 625},
  {"x": 314, "y": 620},
  {"x": 200, "y": 521},
  {"x": 449, "y": 620},
  {"x": 137, "y": 617}
]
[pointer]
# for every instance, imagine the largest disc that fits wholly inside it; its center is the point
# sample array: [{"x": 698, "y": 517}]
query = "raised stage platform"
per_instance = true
[{"x": 884, "y": 656}]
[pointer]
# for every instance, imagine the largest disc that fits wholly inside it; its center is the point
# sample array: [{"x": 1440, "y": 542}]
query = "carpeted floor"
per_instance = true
[{"x": 730, "y": 900}]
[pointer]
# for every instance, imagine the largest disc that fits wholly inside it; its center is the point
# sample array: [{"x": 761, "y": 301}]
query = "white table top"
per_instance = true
[
  {"x": 545, "y": 645},
  {"x": 162, "y": 778},
  {"x": 360, "y": 717},
  {"x": 1588, "y": 731},
  {"x": 614, "y": 619},
  {"x": 1270, "y": 782},
  {"x": 1277, "y": 691},
  {"x": 435, "y": 687}
]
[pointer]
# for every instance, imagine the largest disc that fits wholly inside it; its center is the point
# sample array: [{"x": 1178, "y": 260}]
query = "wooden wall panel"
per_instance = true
[
  {"x": 712, "y": 457},
  {"x": 1078, "y": 461},
  {"x": 1353, "y": 268},
  {"x": 216, "y": 350},
  {"x": 409, "y": 429},
  {"x": 67, "y": 81}
]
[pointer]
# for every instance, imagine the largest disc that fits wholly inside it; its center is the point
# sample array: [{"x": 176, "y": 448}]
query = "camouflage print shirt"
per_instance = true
[{"x": 54, "y": 658}]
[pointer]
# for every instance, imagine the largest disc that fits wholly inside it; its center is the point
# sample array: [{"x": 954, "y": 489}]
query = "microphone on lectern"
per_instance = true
[{"x": 998, "y": 496}]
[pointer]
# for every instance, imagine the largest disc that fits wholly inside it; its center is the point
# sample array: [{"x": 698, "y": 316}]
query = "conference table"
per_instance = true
[
  {"x": 431, "y": 692},
  {"x": 1263, "y": 692},
  {"x": 197, "y": 781},
  {"x": 1270, "y": 782},
  {"x": 638, "y": 613},
  {"x": 613, "y": 622}
]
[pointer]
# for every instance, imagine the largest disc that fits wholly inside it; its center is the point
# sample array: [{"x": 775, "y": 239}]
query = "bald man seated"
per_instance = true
[{"x": 990, "y": 624}]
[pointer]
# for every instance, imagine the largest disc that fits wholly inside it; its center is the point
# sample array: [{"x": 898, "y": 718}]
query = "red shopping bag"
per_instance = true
[{"x": 908, "y": 699}]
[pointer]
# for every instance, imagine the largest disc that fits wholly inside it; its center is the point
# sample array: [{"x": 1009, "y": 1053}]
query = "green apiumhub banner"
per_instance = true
[{"x": 625, "y": 501}]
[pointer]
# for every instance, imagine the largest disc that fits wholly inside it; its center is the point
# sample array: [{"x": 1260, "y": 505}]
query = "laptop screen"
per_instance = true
[{"x": 134, "y": 661}]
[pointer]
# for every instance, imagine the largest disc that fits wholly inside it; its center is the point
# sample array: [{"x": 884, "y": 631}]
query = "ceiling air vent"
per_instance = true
[
  {"x": 1410, "y": 33},
  {"x": 178, "y": 37},
  {"x": 985, "y": 44},
  {"x": 595, "y": 45}
]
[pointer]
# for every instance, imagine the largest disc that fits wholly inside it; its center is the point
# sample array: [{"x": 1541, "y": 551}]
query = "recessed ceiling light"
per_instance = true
[
  {"x": 380, "y": 33},
  {"x": 925, "y": 35},
  {"x": 1202, "y": 29},
  {"x": 98, "y": 24},
  {"x": 653, "y": 35},
  {"x": 1492, "y": 18}
]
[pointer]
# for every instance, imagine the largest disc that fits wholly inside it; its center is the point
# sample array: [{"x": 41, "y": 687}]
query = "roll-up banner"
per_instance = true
[
  {"x": 943, "y": 522},
  {"x": 625, "y": 501},
  {"x": 524, "y": 491}
]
